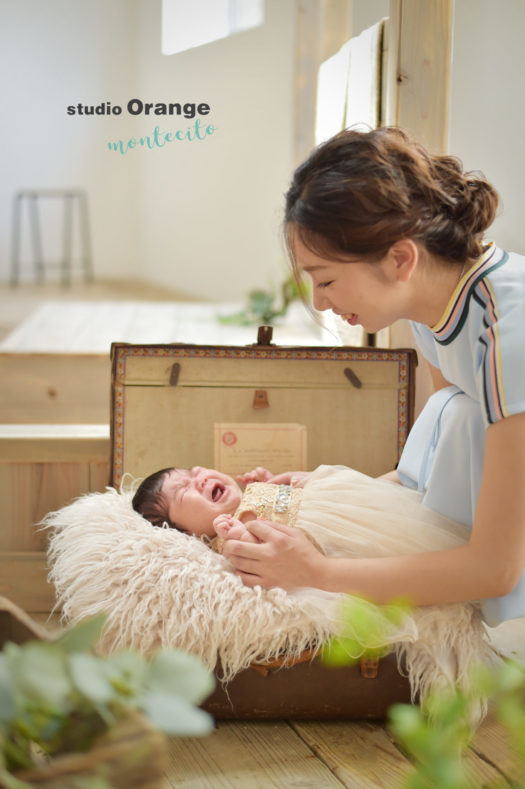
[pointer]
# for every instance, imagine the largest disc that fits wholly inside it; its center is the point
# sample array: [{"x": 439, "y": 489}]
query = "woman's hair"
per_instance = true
[
  {"x": 149, "y": 500},
  {"x": 360, "y": 192}
]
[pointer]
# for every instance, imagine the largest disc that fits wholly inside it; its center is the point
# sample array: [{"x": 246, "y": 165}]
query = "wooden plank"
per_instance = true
[
  {"x": 23, "y": 579},
  {"x": 390, "y": 86},
  {"x": 419, "y": 69},
  {"x": 361, "y": 755},
  {"x": 45, "y": 443},
  {"x": 99, "y": 476},
  {"x": 31, "y": 490},
  {"x": 55, "y": 388},
  {"x": 480, "y": 772},
  {"x": 492, "y": 745},
  {"x": 336, "y": 26},
  {"x": 247, "y": 756},
  {"x": 307, "y": 60},
  {"x": 364, "y": 755}
]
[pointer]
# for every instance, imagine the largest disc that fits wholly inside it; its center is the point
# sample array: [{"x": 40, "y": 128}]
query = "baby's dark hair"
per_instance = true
[{"x": 149, "y": 502}]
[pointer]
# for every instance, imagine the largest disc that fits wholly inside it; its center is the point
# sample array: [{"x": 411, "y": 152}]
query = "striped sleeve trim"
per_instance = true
[
  {"x": 457, "y": 310},
  {"x": 493, "y": 388}
]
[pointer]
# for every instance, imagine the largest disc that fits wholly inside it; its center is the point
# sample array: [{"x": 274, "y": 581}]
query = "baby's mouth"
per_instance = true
[{"x": 217, "y": 492}]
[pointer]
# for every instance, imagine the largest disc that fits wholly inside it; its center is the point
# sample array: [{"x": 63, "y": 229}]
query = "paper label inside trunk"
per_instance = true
[{"x": 278, "y": 446}]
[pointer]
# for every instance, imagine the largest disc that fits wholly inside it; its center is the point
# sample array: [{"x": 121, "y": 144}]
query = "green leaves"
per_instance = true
[
  {"x": 37, "y": 672},
  {"x": 61, "y": 696},
  {"x": 179, "y": 674},
  {"x": 263, "y": 306},
  {"x": 82, "y": 636},
  {"x": 367, "y": 630},
  {"x": 436, "y": 746},
  {"x": 437, "y": 736},
  {"x": 173, "y": 683},
  {"x": 175, "y": 716},
  {"x": 7, "y": 703},
  {"x": 92, "y": 678}
]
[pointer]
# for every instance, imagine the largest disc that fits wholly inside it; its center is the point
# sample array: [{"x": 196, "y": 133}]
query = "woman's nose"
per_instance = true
[{"x": 320, "y": 301}]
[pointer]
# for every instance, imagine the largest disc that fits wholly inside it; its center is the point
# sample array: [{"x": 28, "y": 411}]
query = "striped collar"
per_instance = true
[{"x": 456, "y": 311}]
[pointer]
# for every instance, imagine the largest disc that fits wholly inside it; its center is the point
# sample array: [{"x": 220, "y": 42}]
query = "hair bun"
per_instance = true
[{"x": 480, "y": 201}]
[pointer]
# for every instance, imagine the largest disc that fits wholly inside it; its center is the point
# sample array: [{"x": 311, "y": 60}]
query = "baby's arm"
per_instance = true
[{"x": 260, "y": 474}]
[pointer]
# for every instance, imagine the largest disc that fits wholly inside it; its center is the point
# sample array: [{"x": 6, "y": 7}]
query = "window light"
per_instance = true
[{"x": 187, "y": 24}]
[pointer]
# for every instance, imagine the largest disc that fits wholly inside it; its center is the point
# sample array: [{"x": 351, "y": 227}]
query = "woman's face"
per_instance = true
[
  {"x": 360, "y": 292},
  {"x": 196, "y": 496}
]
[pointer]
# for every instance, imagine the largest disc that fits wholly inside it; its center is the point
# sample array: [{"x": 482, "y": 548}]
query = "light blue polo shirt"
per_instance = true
[{"x": 479, "y": 346}]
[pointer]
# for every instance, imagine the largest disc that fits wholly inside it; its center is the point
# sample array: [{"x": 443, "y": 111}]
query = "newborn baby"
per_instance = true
[{"x": 204, "y": 501}]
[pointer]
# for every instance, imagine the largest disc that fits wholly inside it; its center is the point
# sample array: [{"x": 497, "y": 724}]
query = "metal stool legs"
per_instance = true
[{"x": 65, "y": 264}]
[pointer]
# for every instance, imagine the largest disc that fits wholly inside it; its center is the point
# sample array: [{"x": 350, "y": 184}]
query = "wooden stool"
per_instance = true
[{"x": 68, "y": 196}]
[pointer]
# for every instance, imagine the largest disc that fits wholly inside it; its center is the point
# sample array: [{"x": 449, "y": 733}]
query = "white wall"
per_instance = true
[
  {"x": 366, "y": 13},
  {"x": 199, "y": 217},
  {"x": 487, "y": 107},
  {"x": 211, "y": 211},
  {"x": 53, "y": 54}
]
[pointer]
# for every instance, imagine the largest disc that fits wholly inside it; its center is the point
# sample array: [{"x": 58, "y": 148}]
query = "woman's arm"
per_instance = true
[
  {"x": 390, "y": 476},
  {"x": 489, "y": 565}
]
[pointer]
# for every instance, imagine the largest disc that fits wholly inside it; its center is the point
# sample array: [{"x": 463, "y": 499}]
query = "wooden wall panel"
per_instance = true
[{"x": 41, "y": 472}]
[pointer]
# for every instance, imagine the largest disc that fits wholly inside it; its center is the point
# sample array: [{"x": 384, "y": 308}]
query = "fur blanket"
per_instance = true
[{"x": 160, "y": 587}]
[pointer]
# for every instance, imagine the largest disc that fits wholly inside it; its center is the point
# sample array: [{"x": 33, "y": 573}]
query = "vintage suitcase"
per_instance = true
[{"x": 180, "y": 405}]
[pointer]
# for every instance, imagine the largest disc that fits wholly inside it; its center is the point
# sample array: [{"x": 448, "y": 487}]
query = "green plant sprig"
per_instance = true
[
  {"x": 436, "y": 736},
  {"x": 58, "y": 697},
  {"x": 265, "y": 306}
]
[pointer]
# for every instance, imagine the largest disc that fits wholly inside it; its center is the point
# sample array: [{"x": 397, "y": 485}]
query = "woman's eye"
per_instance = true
[{"x": 325, "y": 284}]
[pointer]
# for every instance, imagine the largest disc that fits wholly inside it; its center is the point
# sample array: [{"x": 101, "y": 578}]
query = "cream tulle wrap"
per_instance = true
[{"x": 160, "y": 587}]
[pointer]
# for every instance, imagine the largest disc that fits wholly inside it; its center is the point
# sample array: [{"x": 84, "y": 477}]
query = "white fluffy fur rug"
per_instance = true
[{"x": 160, "y": 587}]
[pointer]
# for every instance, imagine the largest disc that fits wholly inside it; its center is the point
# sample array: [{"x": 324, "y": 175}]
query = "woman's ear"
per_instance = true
[{"x": 403, "y": 258}]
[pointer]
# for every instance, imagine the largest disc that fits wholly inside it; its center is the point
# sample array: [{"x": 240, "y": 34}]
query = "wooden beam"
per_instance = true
[
  {"x": 322, "y": 27},
  {"x": 420, "y": 42}
]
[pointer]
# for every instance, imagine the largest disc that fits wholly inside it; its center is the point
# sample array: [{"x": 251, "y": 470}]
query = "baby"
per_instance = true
[{"x": 203, "y": 501}]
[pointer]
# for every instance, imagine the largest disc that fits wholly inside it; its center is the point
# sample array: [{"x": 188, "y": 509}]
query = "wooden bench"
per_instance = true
[
  {"x": 55, "y": 367},
  {"x": 42, "y": 468}
]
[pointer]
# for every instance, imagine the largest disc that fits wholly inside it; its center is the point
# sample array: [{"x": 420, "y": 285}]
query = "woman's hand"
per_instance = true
[{"x": 285, "y": 557}]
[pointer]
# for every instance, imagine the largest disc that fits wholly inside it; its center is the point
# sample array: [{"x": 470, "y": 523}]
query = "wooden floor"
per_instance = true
[
  {"x": 291, "y": 754},
  {"x": 17, "y": 303},
  {"x": 319, "y": 754}
]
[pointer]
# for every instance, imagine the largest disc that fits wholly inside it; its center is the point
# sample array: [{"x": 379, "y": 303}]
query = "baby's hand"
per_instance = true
[
  {"x": 229, "y": 528},
  {"x": 261, "y": 474},
  {"x": 223, "y": 525},
  {"x": 258, "y": 474}
]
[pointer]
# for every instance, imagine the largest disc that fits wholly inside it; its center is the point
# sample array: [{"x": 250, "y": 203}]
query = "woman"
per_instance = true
[{"x": 385, "y": 230}]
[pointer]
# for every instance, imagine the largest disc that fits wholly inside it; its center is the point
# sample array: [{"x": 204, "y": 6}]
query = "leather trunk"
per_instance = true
[{"x": 356, "y": 407}]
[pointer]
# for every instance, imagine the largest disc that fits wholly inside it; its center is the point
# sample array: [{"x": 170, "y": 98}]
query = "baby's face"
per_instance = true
[{"x": 196, "y": 496}]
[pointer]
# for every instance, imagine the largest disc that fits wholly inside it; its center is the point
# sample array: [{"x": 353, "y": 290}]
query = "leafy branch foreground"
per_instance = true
[
  {"x": 57, "y": 697},
  {"x": 437, "y": 735}
]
